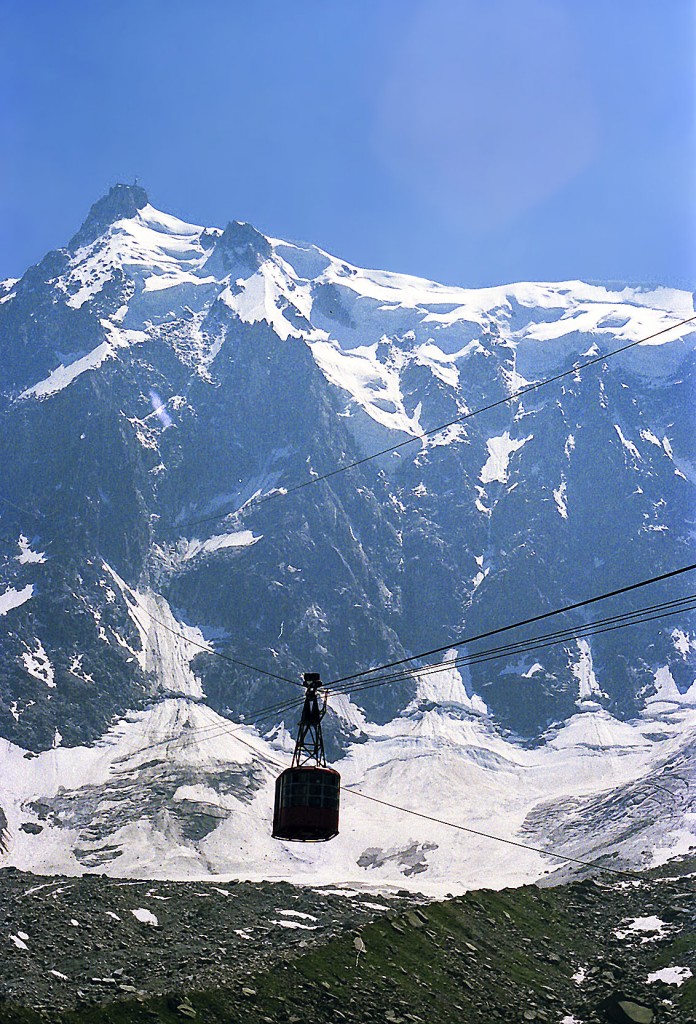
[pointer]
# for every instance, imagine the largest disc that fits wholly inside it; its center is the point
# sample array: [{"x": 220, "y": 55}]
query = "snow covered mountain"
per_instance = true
[{"x": 165, "y": 388}]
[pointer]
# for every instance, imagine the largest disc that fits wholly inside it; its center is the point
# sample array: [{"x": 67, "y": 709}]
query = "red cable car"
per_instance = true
[{"x": 307, "y": 794}]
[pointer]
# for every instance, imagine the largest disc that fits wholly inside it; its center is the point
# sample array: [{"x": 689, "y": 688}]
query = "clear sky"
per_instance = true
[{"x": 470, "y": 141}]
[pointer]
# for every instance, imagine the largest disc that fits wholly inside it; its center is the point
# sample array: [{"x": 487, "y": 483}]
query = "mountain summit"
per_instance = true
[{"x": 121, "y": 201}]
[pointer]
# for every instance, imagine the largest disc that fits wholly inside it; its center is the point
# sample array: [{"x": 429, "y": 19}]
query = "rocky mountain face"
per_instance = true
[
  {"x": 157, "y": 376},
  {"x": 175, "y": 403}
]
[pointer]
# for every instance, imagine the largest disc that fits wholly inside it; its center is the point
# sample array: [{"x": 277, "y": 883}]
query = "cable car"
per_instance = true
[{"x": 307, "y": 794}]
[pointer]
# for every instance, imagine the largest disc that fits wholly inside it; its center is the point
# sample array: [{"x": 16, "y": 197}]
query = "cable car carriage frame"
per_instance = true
[{"x": 307, "y": 794}]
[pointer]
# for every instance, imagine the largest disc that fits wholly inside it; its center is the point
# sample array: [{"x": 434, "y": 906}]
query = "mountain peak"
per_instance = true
[
  {"x": 240, "y": 244},
  {"x": 242, "y": 238},
  {"x": 119, "y": 202}
]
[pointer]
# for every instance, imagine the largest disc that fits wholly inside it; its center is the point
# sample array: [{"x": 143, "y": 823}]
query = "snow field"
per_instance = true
[{"x": 452, "y": 766}]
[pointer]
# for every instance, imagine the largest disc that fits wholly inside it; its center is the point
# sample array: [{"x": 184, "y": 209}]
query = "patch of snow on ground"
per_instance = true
[
  {"x": 628, "y": 445},
  {"x": 440, "y": 365},
  {"x": 667, "y": 691},
  {"x": 375, "y": 387},
  {"x": 168, "y": 645},
  {"x": 240, "y": 539},
  {"x": 6, "y": 286},
  {"x": 444, "y": 685},
  {"x": 264, "y": 297},
  {"x": 532, "y": 670},
  {"x": 64, "y": 375},
  {"x": 158, "y": 250},
  {"x": 77, "y": 670},
  {"x": 648, "y": 435},
  {"x": 351, "y": 714},
  {"x": 38, "y": 664},
  {"x": 499, "y": 451},
  {"x": 559, "y": 496},
  {"x": 684, "y": 642},
  {"x": 479, "y": 578},
  {"x": 597, "y": 730},
  {"x": 652, "y": 926},
  {"x": 295, "y": 924},
  {"x": 145, "y": 916},
  {"x": 583, "y": 670},
  {"x": 14, "y": 598},
  {"x": 671, "y": 975},
  {"x": 26, "y": 556}
]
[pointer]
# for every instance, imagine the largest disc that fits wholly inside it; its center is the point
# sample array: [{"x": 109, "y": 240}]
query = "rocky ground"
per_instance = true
[
  {"x": 72, "y": 942},
  {"x": 88, "y": 950}
]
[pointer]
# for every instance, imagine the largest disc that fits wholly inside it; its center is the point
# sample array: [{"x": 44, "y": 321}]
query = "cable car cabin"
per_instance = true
[
  {"x": 306, "y": 804},
  {"x": 307, "y": 794}
]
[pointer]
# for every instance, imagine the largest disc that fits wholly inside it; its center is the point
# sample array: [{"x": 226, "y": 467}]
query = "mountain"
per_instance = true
[{"x": 176, "y": 401}]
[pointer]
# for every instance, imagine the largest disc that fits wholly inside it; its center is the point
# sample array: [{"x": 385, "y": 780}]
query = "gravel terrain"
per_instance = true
[
  {"x": 612, "y": 948},
  {"x": 74, "y": 941}
]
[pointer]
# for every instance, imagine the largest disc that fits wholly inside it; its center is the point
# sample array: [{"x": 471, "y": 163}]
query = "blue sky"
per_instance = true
[{"x": 470, "y": 141}]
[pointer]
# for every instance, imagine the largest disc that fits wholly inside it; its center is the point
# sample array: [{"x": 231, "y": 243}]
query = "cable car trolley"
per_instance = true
[{"x": 307, "y": 794}]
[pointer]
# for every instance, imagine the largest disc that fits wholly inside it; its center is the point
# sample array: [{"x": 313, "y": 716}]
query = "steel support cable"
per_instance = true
[
  {"x": 494, "y": 655},
  {"x": 351, "y": 788},
  {"x": 528, "y": 389},
  {"x": 522, "y": 647},
  {"x": 570, "y": 632},
  {"x": 531, "y": 643},
  {"x": 347, "y": 685},
  {"x": 489, "y": 835},
  {"x": 19, "y": 508},
  {"x": 634, "y": 617},
  {"x": 523, "y": 622},
  {"x": 532, "y": 387},
  {"x": 210, "y": 650},
  {"x": 519, "y": 393},
  {"x": 576, "y": 368}
]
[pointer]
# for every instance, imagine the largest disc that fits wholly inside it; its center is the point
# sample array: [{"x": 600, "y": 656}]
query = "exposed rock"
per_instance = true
[{"x": 621, "y": 1010}]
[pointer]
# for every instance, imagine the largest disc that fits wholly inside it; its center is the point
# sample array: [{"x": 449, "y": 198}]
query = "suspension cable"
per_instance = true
[{"x": 528, "y": 389}]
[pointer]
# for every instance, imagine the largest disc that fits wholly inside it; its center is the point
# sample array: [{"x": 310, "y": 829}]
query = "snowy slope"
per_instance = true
[
  {"x": 214, "y": 785},
  {"x": 172, "y": 266}
]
